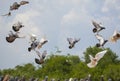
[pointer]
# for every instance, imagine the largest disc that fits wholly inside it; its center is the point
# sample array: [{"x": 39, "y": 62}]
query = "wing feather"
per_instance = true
[{"x": 99, "y": 55}]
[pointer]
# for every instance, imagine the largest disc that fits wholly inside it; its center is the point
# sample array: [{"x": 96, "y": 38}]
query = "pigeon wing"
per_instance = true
[
  {"x": 24, "y": 2},
  {"x": 99, "y": 55},
  {"x": 100, "y": 38},
  {"x": 38, "y": 53},
  {"x": 91, "y": 57},
  {"x": 96, "y": 25},
  {"x": 70, "y": 40},
  {"x": 44, "y": 54}
]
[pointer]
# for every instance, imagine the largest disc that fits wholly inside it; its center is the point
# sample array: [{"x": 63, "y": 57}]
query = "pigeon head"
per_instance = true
[
  {"x": 97, "y": 45},
  {"x": 117, "y": 35},
  {"x": 70, "y": 47},
  {"x": 29, "y": 49},
  {"x": 94, "y": 30}
]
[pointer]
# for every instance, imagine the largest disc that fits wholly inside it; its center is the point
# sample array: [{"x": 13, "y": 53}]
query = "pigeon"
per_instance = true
[
  {"x": 32, "y": 37},
  {"x": 24, "y": 2},
  {"x": 8, "y": 14},
  {"x": 17, "y": 26},
  {"x": 14, "y": 6},
  {"x": 115, "y": 36},
  {"x": 98, "y": 27},
  {"x": 72, "y": 42},
  {"x": 11, "y": 38},
  {"x": 33, "y": 45},
  {"x": 102, "y": 41},
  {"x": 41, "y": 57},
  {"x": 42, "y": 42},
  {"x": 94, "y": 60},
  {"x": 58, "y": 50}
]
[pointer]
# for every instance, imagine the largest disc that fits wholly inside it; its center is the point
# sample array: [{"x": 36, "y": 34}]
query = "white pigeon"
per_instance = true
[
  {"x": 94, "y": 60},
  {"x": 42, "y": 42},
  {"x": 98, "y": 27},
  {"x": 101, "y": 40},
  {"x": 115, "y": 36}
]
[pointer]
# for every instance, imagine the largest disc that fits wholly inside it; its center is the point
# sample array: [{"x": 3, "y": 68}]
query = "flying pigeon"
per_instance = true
[
  {"x": 42, "y": 42},
  {"x": 33, "y": 45},
  {"x": 98, "y": 27},
  {"x": 102, "y": 41},
  {"x": 17, "y": 26},
  {"x": 58, "y": 50},
  {"x": 11, "y": 38},
  {"x": 41, "y": 57},
  {"x": 14, "y": 6},
  {"x": 8, "y": 14},
  {"x": 115, "y": 36},
  {"x": 72, "y": 42},
  {"x": 94, "y": 60}
]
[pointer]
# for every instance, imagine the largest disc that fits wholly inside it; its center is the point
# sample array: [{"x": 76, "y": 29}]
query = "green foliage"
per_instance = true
[{"x": 61, "y": 66}]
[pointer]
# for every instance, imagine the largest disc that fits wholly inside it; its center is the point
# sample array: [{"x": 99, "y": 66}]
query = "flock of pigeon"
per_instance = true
[{"x": 35, "y": 44}]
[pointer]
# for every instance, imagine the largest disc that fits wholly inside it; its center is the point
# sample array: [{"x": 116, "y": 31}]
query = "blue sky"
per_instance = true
[{"x": 57, "y": 20}]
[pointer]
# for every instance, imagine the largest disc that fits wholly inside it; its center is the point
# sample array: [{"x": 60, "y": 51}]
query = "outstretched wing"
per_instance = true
[
  {"x": 100, "y": 38},
  {"x": 91, "y": 57},
  {"x": 96, "y": 25},
  {"x": 99, "y": 55},
  {"x": 70, "y": 40},
  {"x": 38, "y": 53},
  {"x": 115, "y": 32},
  {"x": 24, "y": 2},
  {"x": 44, "y": 54},
  {"x": 77, "y": 40}
]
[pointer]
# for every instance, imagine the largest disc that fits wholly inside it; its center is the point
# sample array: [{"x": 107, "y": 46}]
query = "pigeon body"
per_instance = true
[
  {"x": 94, "y": 60},
  {"x": 34, "y": 44},
  {"x": 12, "y": 36},
  {"x": 72, "y": 42},
  {"x": 101, "y": 40},
  {"x": 115, "y": 36},
  {"x": 98, "y": 27},
  {"x": 17, "y": 26},
  {"x": 15, "y": 6},
  {"x": 41, "y": 57}
]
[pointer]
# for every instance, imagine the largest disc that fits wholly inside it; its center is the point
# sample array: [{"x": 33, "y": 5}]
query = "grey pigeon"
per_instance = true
[
  {"x": 97, "y": 27},
  {"x": 12, "y": 36},
  {"x": 14, "y": 6},
  {"x": 41, "y": 57},
  {"x": 17, "y": 26},
  {"x": 72, "y": 42},
  {"x": 34, "y": 44}
]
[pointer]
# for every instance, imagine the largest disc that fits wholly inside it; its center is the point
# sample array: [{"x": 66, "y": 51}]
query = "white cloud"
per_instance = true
[
  {"x": 110, "y": 4},
  {"x": 71, "y": 16}
]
